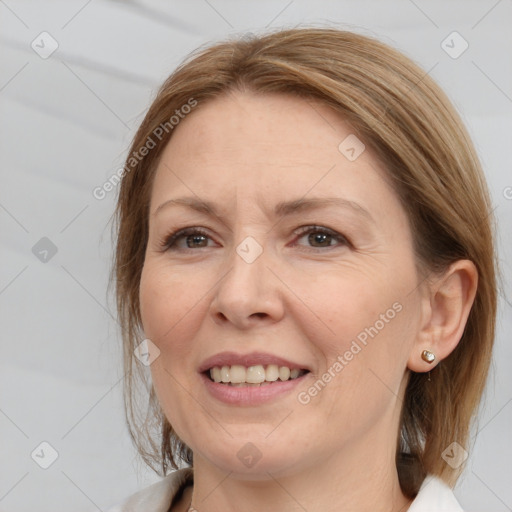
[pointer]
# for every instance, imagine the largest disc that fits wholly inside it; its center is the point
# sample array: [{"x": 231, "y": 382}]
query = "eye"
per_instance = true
[
  {"x": 320, "y": 237},
  {"x": 192, "y": 237},
  {"x": 197, "y": 238}
]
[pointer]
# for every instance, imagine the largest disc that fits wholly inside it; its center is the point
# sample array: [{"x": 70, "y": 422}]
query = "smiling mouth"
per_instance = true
[{"x": 257, "y": 375}]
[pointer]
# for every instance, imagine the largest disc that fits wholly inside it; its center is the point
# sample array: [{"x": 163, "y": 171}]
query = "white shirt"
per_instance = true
[{"x": 434, "y": 495}]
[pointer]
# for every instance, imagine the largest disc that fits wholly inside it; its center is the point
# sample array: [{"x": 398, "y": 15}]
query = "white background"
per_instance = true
[{"x": 66, "y": 123}]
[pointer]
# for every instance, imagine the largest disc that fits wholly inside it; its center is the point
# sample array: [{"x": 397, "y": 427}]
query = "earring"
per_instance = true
[{"x": 428, "y": 356}]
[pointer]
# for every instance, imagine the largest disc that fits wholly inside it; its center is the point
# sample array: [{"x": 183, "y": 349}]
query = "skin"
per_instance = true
[{"x": 300, "y": 299}]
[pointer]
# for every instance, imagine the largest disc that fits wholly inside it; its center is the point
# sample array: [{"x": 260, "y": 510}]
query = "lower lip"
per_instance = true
[{"x": 250, "y": 395}]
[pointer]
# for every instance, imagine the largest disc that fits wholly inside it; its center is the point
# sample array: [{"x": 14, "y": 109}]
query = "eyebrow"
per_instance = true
[{"x": 283, "y": 208}]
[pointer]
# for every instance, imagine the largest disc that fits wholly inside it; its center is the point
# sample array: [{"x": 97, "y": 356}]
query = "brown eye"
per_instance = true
[
  {"x": 193, "y": 238},
  {"x": 319, "y": 238}
]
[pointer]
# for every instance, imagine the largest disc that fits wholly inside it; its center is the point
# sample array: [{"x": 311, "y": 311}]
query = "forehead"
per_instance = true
[
  {"x": 255, "y": 147},
  {"x": 244, "y": 123}
]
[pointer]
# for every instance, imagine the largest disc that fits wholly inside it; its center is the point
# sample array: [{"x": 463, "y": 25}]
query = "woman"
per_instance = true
[{"x": 305, "y": 263}]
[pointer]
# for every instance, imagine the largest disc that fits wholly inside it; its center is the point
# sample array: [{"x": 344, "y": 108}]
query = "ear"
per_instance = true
[{"x": 446, "y": 306}]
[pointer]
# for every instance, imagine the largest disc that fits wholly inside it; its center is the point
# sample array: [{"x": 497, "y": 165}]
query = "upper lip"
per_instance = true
[{"x": 251, "y": 359}]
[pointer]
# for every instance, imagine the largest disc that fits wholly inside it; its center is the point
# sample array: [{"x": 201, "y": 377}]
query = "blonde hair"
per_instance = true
[{"x": 397, "y": 110}]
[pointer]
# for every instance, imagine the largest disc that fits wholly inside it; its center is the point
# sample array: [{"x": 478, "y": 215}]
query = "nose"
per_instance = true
[{"x": 249, "y": 294}]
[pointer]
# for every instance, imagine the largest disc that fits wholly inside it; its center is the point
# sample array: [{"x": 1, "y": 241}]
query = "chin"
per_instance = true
[{"x": 253, "y": 460}]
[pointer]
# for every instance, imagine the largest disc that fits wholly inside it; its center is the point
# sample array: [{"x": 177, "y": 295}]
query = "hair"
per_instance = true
[{"x": 414, "y": 131}]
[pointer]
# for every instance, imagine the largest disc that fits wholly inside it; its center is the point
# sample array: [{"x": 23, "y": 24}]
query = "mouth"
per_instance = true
[
  {"x": 251, "y": 379},
  {"x": 258, "y": 375}
]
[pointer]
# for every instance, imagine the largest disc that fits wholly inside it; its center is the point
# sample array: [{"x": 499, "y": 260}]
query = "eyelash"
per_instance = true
[{"x": 168, "y": 243}]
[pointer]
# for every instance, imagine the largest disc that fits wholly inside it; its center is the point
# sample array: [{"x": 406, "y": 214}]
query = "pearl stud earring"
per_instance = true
[{"x": 428, "y": 356}]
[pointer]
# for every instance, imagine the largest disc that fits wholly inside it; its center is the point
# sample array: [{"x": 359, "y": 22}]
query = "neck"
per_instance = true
[{"x": 355, "y": 480}]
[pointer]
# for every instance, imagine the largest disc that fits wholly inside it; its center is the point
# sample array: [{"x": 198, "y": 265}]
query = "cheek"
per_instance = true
[
  {"x": 169, "y": 307},
  {"x": 166, "y": 299},
  {"x": 168, "y": 304},
  {"x": 362, "y": 325},
  {"x": 364, "y": 369},
  {"x": 348, "y": 306}
]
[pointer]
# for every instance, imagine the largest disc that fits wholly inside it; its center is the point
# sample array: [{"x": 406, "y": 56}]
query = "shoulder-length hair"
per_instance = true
[{"x": 396, "y": 109}]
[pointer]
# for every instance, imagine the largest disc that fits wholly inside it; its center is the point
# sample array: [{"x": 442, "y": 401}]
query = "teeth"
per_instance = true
[
  {"x": 238, "y": 375},
  {"x": 272, "y": 372},
  {"x": 255, "y": 374},
  {"x": 215, "y": 374},
  {"x": 284, "y": 373},
  {"x": 224, "y": 374}
]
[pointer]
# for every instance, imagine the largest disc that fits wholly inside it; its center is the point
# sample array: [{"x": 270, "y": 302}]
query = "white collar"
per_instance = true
[{"x": 435, "y": 496}]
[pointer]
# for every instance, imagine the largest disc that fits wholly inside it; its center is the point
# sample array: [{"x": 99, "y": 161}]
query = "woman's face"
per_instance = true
[{"x": 307, "y": 264}]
